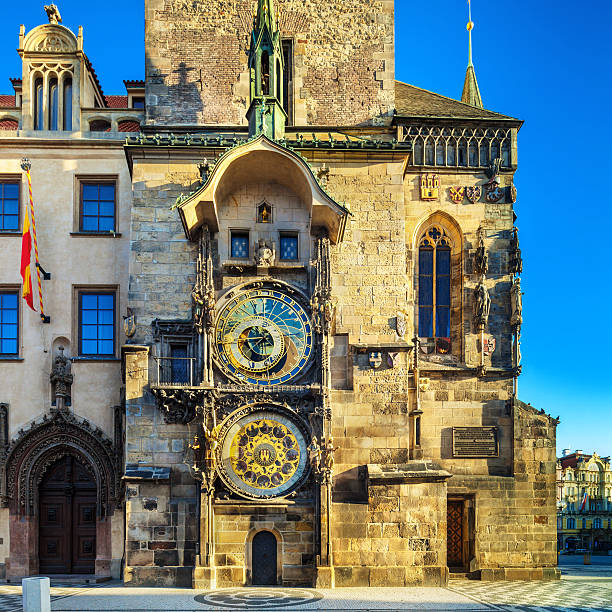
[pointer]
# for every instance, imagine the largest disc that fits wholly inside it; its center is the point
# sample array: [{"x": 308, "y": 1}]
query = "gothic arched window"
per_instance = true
[
  {"x": 67, "y": 124},
  {"x": 53, "y": 105},
  {"x": 435, "y": 288},
  {"x": 39, "y": 118}
]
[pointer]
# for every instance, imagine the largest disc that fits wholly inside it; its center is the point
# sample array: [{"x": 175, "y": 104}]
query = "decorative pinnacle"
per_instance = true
[{"x": 470, "y": 27}]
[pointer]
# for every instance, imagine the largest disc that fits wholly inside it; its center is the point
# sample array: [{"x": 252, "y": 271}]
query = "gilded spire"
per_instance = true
[
  {"x": 265, "y": 16},
  {"x": 471, "y": 92}
]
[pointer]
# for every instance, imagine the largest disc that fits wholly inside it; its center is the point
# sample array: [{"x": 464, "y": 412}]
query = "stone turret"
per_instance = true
[{"x": 266, "y": 114}]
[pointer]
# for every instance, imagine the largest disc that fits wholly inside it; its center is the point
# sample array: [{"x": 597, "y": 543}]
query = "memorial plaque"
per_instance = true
[{"x": 475, "y": 442}]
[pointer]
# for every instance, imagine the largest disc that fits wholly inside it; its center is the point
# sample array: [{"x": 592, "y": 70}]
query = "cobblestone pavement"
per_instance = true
[
  {"x": 570, "y": 594},
  {"x": 579, "y": 590}
]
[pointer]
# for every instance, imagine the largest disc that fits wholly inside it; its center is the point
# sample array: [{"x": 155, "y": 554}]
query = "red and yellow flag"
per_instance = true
[{"x": 26, "y": 261}]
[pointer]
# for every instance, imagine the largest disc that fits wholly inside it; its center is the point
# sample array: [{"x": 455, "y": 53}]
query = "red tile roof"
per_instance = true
[
  {"x": 129, "y": 126},
  {"x": 7, "y": 101},
  {"x": 116, "y": 101},
  {"x": 9, "y": 124},
  {"x": 572, "y": 460}
]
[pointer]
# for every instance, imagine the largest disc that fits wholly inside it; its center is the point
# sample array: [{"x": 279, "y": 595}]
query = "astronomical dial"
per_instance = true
[
  {"x": 263, "y": 454},
  {"x": 263, "y": 337}
]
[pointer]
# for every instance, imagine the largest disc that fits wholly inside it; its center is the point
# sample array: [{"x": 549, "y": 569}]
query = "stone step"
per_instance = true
[{"x": 64, "y": 579}]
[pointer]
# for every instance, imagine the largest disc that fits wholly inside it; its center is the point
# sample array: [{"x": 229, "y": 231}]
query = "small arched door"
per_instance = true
[
  {"x": 265, "y": 558},
  {"x": 67, "y": 519}
]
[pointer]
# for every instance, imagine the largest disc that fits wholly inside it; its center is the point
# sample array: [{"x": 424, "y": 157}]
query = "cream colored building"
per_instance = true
[
  {"x": 60, "y": 119},
  {"x": 584, "y": 502}
]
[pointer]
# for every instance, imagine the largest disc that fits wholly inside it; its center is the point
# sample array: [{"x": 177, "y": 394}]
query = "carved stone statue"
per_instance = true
[
  {"x": 516, "y": 260},
  {"x": 53, "y": 14},
  {"x": 323, "y": 175},
  {"x": 516, "y": 303},
  {"x": 482, "y": 305},
  {"x": 198, "y": 308},
  {"x": 209, "y": 303},
  {"x": 314, "y": 453},
  {"x": 328, "y": 457},
  {"x": 481, "y": 259},
  {"x": 401, "y": 325},
  {"x": 265, "y": 254},
  {"x": 212, "y": 442},
  {"x": 61, "y": 378}
]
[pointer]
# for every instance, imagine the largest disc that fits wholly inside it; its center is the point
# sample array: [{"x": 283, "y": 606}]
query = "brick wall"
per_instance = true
[{"x": 196, "y": 60}]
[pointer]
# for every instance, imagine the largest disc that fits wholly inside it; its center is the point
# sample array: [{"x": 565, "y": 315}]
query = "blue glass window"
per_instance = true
[
  {"x": 240, "y": 245},
  {"x": 9, "y": 206},
  {"x": 289, "y": 247},
  {"x": 97, "y": 324},
  {"x": 9, "y": 323},
  {"x": 97, "y": 207},
  {"x": 434, "y": 291},
  {"x": 179, "y": 364}
]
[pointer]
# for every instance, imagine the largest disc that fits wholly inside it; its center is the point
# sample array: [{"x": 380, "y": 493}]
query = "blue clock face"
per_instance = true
[{"x": 263, "y": 337}]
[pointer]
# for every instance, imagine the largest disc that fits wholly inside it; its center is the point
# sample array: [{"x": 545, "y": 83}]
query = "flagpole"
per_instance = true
[{"x": 26, "y": 165}]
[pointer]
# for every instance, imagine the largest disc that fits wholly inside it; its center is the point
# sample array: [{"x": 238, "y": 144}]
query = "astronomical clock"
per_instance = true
[
  {"x": 263, "y": 345},
  {"x": 263, "y": 336}
]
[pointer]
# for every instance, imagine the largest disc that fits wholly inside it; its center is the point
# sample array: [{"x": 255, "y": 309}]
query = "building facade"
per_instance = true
[
  {"x": 315, "y": 296},
  {"x": 60, "y": 398},
  {"x": 584, "y": 502}
]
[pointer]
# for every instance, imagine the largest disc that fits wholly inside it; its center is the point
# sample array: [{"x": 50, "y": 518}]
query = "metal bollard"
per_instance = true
[{"x": 36, "y": 594}]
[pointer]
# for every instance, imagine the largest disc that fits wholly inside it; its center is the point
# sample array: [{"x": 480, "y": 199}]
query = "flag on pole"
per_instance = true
[
  {"x": 26, "y": 262},
  {"x": 28, "y": 239},
  {"x": 584, "y": 501}
]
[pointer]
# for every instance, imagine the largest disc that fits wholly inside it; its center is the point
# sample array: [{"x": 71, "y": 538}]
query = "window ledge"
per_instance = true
[
  {"x": 97, "y": 234},
  {"x": 96, "y": 359},
  {"x": 9, "y": 358},
  {"x": 282, "y": 264},
  {"x": 10, "y": 233}
]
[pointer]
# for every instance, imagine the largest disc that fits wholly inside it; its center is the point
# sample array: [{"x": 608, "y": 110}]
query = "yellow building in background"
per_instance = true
[{"x": 584, "y": 502}]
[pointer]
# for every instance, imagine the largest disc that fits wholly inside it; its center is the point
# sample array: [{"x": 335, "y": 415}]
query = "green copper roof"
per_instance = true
[
  {"x": 265, "y": 17},
  {"x": 471, "y": 92}
]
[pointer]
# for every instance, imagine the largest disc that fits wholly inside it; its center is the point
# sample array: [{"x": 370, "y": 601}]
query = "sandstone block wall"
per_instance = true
[
  {"x": 196, "y": 60},
  {"x": 293, "y": 526}
]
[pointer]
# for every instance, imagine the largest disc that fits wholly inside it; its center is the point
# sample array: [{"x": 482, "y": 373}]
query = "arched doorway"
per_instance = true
[
  {"x": 67, "y": 519},
  {"x": 264, "y": 559}
]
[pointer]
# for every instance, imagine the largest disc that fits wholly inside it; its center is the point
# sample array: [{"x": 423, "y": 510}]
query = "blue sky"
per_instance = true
[{"x": 546, "y": 62}]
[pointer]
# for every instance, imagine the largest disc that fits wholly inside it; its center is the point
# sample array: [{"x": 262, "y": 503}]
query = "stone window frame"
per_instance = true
[
  {"x": 17, "y": 289},
  {"x": 288, "y": 50},
  {"x": 455, "y": 234},
  {"x": 79, "y": 181},
  {"x": 15, "y": 179},
  {"x": 77, "y": 290}
]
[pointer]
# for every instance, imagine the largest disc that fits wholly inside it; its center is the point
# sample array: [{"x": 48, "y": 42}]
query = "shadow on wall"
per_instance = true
[{"x": 180, "y": 91}]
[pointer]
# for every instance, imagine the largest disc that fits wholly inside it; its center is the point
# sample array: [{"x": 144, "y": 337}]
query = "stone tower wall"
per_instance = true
[{"x": 196, "y": 60}]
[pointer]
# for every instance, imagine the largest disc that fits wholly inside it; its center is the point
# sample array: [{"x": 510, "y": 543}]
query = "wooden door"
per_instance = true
[
  {"x": 264, "y": 556},
  {"x": 67, "y": 520},
  {"x": 454, "y": 534}
]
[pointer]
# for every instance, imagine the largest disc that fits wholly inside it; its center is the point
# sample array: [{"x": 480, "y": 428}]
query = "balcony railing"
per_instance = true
[{"x": 174, "y": 371}]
